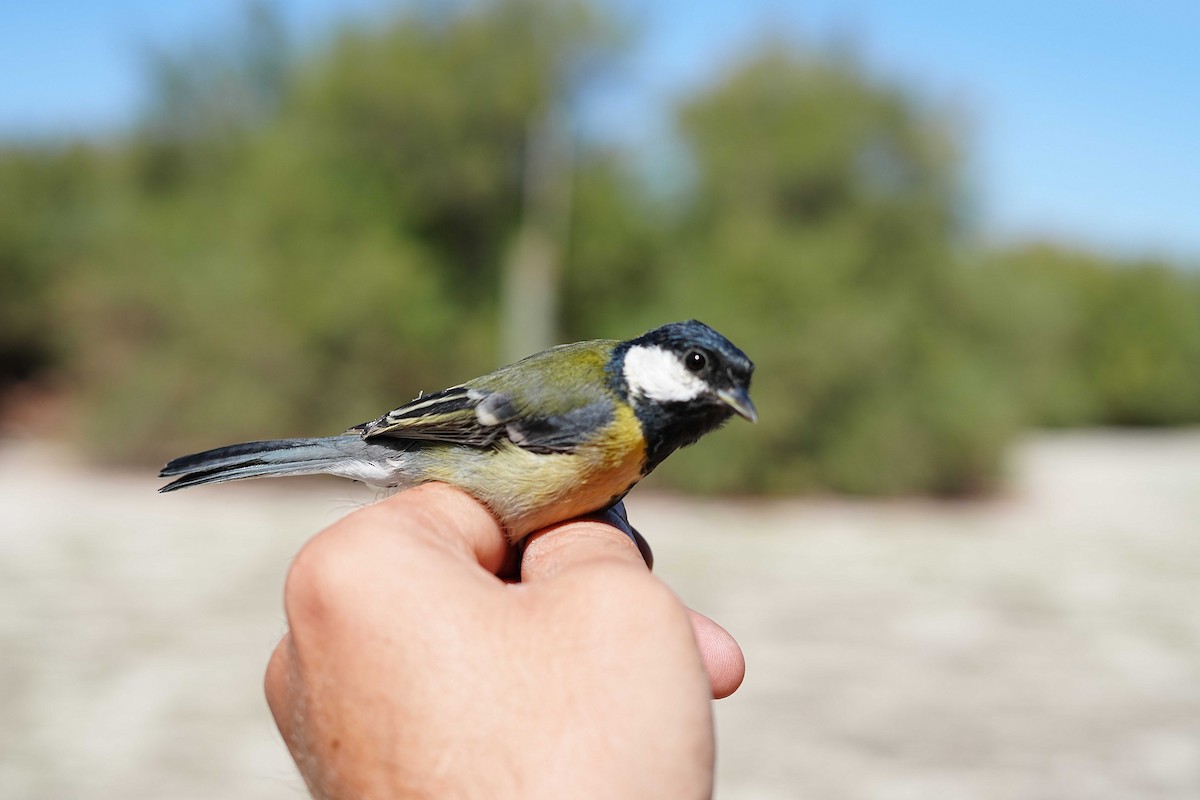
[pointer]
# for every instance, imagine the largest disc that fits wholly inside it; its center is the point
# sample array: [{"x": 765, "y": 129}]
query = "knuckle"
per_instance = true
[
  {"x": 320, "y": 580},
  {"x": 275, "y": 681}
]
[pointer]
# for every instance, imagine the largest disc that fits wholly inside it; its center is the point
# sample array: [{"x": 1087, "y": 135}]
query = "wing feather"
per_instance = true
[
  {"x": 554, "y": 414},
  {"x": 448, "y": 416}
]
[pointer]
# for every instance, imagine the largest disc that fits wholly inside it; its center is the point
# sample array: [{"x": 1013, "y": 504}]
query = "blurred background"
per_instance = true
[{"x": 962, "y": 546}]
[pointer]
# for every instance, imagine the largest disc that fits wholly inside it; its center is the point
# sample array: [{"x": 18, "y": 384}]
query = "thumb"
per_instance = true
[{"x": 572, "y": 544}]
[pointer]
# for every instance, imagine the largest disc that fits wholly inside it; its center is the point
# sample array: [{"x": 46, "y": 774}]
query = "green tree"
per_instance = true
[
  {"x": 1101, "y": 341},
  {"x": 46, "y": 221},
  {"x": 821, "y": 238},
  {"x": 298, "y": 262}
]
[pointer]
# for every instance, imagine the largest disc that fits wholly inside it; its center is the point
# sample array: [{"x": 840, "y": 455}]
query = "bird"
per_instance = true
[{"x": 563, "y": 433}]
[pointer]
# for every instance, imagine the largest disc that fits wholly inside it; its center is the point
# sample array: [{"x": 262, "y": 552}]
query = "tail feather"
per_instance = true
[
  {"x": 347, "y": 455},
  {"x": 231, "y": 454}
]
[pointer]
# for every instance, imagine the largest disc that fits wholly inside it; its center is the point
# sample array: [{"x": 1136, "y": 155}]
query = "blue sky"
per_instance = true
[{"x": 1083, "y": 115}]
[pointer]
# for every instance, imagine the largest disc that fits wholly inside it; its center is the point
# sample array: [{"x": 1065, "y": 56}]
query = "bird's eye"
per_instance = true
[{"x": 695, "y": 361}]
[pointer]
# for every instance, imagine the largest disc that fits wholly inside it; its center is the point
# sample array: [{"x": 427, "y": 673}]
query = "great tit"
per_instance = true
[{"x": 560, "y": 434}]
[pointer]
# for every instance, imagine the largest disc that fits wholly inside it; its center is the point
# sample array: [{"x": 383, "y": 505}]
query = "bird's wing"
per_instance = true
[
  {"x": 456, "y": 415},
  {"x": 534, "y": 417}
]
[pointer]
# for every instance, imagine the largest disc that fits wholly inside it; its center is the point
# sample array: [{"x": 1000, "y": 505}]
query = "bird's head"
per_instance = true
[{"x": 683, "y": 380}]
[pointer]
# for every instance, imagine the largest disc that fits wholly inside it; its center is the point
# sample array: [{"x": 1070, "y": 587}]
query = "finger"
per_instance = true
[
  {"x": 561, "y": 547},
  {"x": 443, "y": 516},
  {"x": 723, "y": 658},
  {"x": 409, "y": 552}
]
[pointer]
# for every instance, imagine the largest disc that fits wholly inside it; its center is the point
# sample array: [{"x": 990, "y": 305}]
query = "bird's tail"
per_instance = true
[{"x": 348, "y": 455}]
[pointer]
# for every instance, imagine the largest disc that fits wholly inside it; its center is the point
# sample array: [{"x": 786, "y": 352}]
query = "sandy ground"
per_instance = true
[{"x": 1041, "y": 645}]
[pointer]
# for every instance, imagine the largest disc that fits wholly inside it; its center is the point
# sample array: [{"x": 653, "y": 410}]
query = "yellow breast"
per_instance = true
[{"x": 528, "y": 491}]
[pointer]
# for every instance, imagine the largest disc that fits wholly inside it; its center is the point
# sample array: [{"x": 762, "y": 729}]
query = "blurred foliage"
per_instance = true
[
  {"x": 295, "y": 240},
  {"x": 1097, "y": 342},
  {"x": 46, "y": 198},
  {"x": 263, "y": 274},
  {"x": 821, "y": 233}
]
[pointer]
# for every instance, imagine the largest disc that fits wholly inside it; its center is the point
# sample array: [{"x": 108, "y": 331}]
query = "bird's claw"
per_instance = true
[{"x": 616, "y": 516}]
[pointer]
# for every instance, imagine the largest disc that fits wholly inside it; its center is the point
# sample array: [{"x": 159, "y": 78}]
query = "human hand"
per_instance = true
[{"x": 411, "y": 670}]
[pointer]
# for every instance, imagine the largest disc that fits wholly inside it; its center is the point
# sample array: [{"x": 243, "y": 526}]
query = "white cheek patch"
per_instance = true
[{"x": 659, "y": 375}]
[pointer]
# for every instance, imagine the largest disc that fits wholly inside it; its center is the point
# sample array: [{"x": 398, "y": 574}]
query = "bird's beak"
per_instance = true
[{"x": 739, "y": 400}]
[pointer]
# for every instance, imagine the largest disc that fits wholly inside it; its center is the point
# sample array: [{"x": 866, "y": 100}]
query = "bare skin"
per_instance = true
[{"x": 411, "y": 670}]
